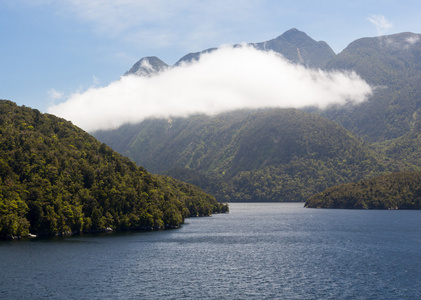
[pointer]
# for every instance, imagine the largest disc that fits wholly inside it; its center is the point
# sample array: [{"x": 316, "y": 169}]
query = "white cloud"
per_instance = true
[
  {"x": 53, "y": 94},
  {"x": 226, "y": 79},
  {"x": 95, "y": 80},
  {"x": 413, "y": 39},
  {"x": 382, "y": 24}
]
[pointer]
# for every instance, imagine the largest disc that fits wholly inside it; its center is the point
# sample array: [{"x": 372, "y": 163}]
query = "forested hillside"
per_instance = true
[
  {"x": 393, "y": 191},
  {"x": 56, "y": 178},
  {"x": 265, "y": 155},
  {"x": 405, "y": 149},
  {"x": 392, "y": 65}
]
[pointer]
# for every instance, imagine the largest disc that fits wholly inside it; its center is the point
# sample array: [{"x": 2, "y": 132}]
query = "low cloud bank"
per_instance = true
[{"x": 226, "y": 79}]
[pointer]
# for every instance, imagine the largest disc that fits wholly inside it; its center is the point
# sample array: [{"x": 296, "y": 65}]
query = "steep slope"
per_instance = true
[
  {"x": 265, "y": 155},
  {"x": 392, "y": 64},
  {"x": 392, "y": 191},
  {"x": 56, "y": 178}
]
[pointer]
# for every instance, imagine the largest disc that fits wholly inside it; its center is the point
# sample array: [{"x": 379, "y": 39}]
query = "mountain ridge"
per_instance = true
[
  {"x": 294, "y": 45},
  {"x": 392, "y": 65}
]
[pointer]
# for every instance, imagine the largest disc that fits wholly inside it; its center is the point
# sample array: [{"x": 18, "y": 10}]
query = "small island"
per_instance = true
[{"x": 400, "y": 190}]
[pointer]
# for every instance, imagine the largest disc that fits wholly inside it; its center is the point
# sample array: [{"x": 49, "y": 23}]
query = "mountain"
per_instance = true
[
  {"x": 147, "y": 66},
  {"x": 392, "y": 191},
  {"x": 298, "y": 47},
  {"x": 190, "y": 57},
  {"x": 263, "y": 155},
  {"x": 294, "y": 45},
  {"x": 233, "y": 155},
  {"x": 57, "y": 179},
  {"x": 392, "y": 64}
]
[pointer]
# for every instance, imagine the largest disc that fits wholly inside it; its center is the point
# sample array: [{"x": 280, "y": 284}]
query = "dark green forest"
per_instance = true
[
  {"x": 400, "y": 190},
  {"x": 57, "y": 179}
]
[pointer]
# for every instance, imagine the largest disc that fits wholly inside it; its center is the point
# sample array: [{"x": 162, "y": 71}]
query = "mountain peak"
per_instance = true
[
  {"x": 298, "y": 47},
  {"x": 293, "y": 33},
  {"x": 147, "y": 66}
]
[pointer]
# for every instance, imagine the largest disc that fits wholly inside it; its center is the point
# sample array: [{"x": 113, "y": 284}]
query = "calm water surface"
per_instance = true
[{"x": 257, "y": 251}]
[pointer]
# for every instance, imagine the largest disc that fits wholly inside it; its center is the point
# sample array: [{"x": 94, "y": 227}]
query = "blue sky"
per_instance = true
[{"x": 51, "y": 49}]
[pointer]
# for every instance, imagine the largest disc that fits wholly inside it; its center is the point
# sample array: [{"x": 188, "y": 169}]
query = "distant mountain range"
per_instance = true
[
  {"x": 392, "y": 64},
  {"x": 287, "y": 155},
  {"x": 294, "y": 45}
]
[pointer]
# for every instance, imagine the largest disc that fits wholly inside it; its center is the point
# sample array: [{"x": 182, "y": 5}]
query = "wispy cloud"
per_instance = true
[
  {"x": 54, "y": 95},
  {"x": 381, "y": 23},
  {"x": 227, "y": 79},
  {"x": 95, "y": 81},
  {"x": 413, "y": 39}
]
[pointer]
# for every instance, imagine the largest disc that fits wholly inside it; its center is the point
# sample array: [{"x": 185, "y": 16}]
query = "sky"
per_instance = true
[{"x": 67, "y": 56}]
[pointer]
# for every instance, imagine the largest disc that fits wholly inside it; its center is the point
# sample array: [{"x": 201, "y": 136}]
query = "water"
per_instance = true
[{"x": 258, "y": 251}]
